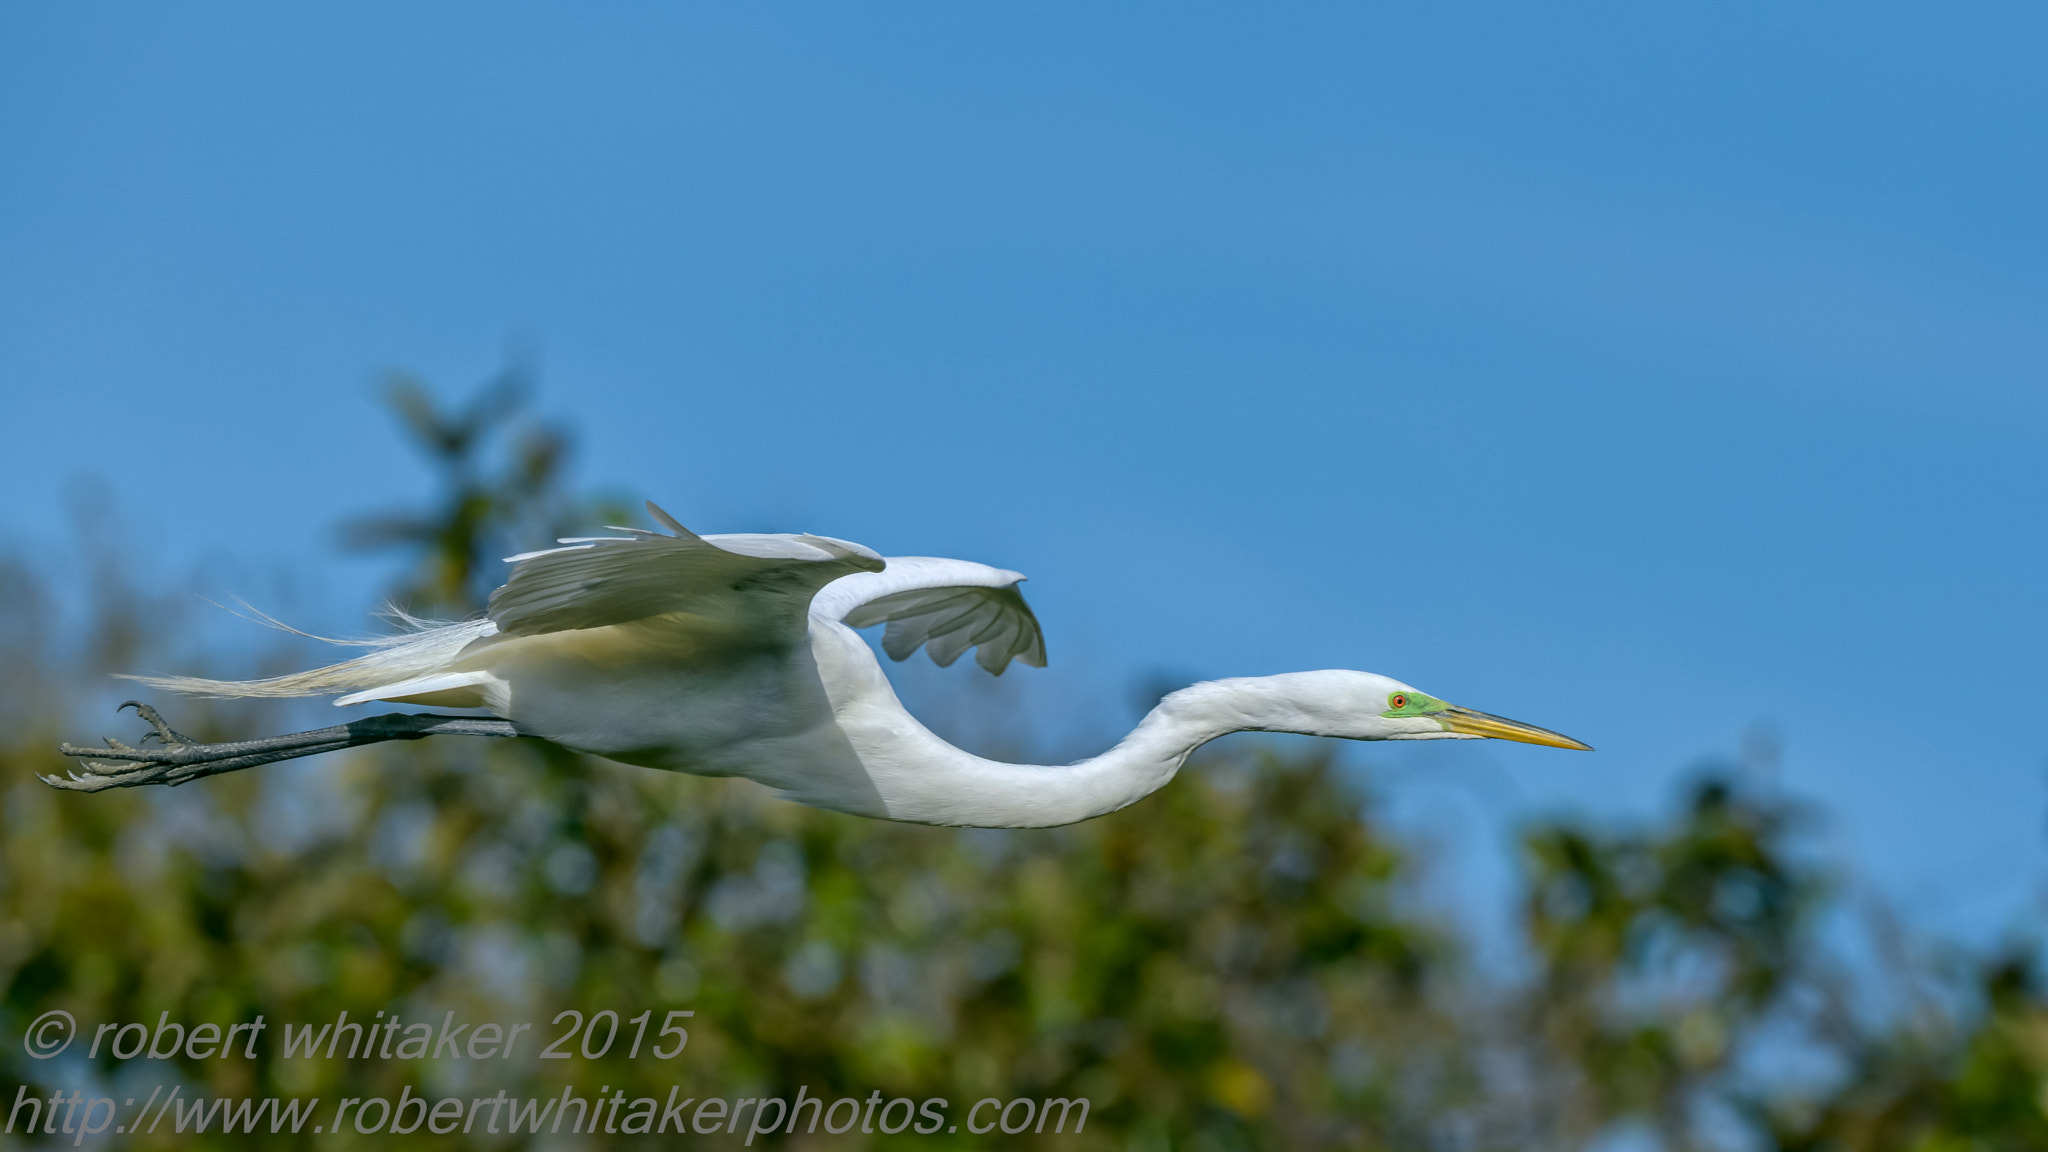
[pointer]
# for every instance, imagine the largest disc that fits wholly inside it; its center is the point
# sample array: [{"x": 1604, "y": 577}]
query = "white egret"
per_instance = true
[{"x": 737, "y": 655}]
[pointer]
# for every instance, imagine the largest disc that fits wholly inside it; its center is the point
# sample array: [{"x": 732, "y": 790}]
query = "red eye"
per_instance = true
[{"x": 1399, "y": 700}]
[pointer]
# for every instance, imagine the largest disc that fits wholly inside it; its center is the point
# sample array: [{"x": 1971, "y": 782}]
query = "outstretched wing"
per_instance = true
[
  {"x": 595, "y": 582},
  {"x": 943, "y": 606}
]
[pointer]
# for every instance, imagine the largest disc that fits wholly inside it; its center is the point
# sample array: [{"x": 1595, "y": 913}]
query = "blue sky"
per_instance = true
[{"x": 1645, "y": 374}]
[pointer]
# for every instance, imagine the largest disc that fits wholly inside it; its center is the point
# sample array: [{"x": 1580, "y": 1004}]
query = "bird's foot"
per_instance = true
[
  {"x": 179, "y": 759},
  {"x": 119, "y": 765}
]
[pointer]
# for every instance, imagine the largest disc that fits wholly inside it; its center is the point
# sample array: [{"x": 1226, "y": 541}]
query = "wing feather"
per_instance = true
[
  {"x": 942, "y": 606},
  {"x": 594, "y": 582}
]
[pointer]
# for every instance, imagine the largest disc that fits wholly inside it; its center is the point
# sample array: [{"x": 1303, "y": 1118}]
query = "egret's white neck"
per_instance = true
[{"x": 919, "y": 777}]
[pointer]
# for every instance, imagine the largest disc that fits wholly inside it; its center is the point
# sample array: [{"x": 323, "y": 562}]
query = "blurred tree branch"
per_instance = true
[{"x": 501, "y": 491}]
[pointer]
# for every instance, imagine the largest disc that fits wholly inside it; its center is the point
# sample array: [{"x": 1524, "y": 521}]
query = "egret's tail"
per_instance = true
[{"x": 423, "y": 649}]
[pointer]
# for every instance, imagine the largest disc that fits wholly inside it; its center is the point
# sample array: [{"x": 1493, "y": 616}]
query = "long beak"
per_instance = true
[{"x": 1456, "y": 719}]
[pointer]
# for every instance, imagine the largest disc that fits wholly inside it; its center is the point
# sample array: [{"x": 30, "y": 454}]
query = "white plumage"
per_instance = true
[{"x": 736, "y": 655}]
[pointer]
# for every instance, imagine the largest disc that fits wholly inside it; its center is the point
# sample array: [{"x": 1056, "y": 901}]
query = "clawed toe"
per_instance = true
[
  {"x": 163, "y": 732},
  {"x": 115, "y": 750},
  {"x": 98, "y": 776}
]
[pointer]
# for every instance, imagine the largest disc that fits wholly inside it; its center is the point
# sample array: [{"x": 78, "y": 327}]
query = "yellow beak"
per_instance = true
[{"x": 1456, "y": 719}]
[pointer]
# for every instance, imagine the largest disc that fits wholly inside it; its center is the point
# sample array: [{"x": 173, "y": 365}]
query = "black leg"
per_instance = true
[{"x": 181, "y": 758}]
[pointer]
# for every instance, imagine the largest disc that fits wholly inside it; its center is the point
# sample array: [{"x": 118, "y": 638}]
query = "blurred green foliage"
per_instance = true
[{"x": 1240, "y": 961}]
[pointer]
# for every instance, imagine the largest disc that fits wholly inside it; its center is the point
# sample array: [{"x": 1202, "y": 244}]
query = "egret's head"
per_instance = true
[
  {"x": 1351, "y": 706},
  {"x": 1342, "y": 703},
  {"x": 1409, "y": 714}
]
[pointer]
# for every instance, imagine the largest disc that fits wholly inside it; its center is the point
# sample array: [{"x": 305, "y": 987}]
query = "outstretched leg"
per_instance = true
[{"x": 181, "y": 758}]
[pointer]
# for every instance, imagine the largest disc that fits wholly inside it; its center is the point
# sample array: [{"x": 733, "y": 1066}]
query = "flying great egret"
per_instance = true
[{"x": 736, "y": 655}]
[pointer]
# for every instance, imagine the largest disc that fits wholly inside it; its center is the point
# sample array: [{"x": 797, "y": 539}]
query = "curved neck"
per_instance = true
[{"x": 917, "y": 776}]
